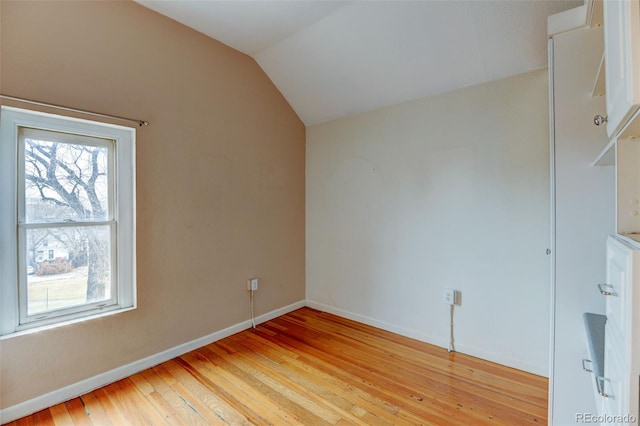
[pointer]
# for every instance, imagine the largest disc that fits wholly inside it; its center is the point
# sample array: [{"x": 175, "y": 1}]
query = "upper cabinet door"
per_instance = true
[{"x": 621, "y": 38}]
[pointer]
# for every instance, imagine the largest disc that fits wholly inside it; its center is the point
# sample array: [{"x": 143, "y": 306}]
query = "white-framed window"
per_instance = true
[{"x": 67, "y": 219}]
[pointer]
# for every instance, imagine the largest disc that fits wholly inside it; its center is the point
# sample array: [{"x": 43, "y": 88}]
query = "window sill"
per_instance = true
[{"x": 38, "y": 329}]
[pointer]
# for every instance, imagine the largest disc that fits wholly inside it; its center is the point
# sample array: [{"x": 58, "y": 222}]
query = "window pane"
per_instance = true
[
  {"x": 76, "y": 271},
  {"x": 64, "y": 181}
]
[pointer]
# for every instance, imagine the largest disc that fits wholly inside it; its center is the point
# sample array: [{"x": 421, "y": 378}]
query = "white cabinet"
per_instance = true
[
  {"x": 591, "y": 203},
  {"x": 628, "y": 189},
  {"x": 618, "y": 388},
  {"x": 611, "y": 386},
  {"x": 622, "y": 50},
  {"x": 582, "y": 215}
]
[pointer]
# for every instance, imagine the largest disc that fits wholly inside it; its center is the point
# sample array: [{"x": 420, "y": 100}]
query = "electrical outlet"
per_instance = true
[
  {"x": 450, "y": 296},
  {"x": 252, "y": 284}
]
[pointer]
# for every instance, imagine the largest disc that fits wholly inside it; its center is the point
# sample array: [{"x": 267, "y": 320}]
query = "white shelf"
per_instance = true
[
  {"x": 595, "y": 13},
  {"x": 607, "y": 156},
  {"x": 631, "y": 130},
  {"x": 599, "y": 86},
  {"x": 628, "y": 188},
  {"x": 631, "y": 239}
]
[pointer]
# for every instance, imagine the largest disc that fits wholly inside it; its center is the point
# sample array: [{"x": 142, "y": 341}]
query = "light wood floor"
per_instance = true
[{"x": 313, "y": 368}]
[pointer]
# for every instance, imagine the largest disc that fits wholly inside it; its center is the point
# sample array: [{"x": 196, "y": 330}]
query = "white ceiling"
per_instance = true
[{"x": 332, "y": 59}]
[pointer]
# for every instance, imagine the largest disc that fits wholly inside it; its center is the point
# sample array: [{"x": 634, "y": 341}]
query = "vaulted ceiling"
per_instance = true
[{"x": 332, "y": 59}]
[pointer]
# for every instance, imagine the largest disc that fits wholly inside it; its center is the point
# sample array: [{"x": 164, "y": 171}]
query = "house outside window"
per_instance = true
[{"x": 70, "y": 188}]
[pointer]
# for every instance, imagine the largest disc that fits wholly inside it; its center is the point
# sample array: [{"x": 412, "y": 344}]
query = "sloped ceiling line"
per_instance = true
[{"x": 332, "y": 59}]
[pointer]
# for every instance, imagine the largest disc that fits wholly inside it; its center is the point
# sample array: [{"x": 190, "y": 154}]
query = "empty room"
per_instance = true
[{"x": 319, "y": 212}]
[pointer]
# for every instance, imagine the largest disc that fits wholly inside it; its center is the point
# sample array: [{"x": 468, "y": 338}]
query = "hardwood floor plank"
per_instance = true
[
  {"x": 44, "y": 418},
  {"x": 265, "y": 370},
  {"x": 358, "y": 377},
  {"x": 196, "y": 396},
  {"x": 95, "y": 410},
  {"x": 60, "y": 415},
  {"x": 26, "y": 421},
  {"x": 264, "y": 405},
  {"x": 322, "y": 386},
  {"x": 77, "y": 412},
  {"x": 113, "y": 410},
  {"x": 439, "y": 381},
  {"x": 403, "y": 395},
  {"x": 122, "y": 404},
  {"x": 153, "y": 397},
  {"x": 184, "y": 414},
  {"x": 334, "y": 390},
  {"x": 310, "y": 367},
  {"x": 137, "y": 402}
]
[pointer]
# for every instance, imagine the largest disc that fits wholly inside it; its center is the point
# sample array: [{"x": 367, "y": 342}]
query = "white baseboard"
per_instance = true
[
  {"x": 437, "y": 341},
  {"x": 414, "y": 334},
  {"x": 80, "y": 388}
]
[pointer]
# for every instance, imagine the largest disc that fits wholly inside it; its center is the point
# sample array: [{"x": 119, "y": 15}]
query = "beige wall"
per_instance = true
[
  {"x": 450, "y": 191},
  {"x": 220, "y": 179}
]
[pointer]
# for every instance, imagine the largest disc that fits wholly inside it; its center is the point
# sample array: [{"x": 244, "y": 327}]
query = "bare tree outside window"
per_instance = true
[{"x": 67, "y": 183}]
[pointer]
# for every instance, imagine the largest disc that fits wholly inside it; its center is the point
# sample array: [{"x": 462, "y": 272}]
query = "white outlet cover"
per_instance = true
[
  {"x": 450, "y": 296},
  {"x": 254, "y": 284}
]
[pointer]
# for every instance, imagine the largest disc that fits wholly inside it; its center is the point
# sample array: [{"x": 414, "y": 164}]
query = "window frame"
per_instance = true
[{"x": 13, "y": 271}]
